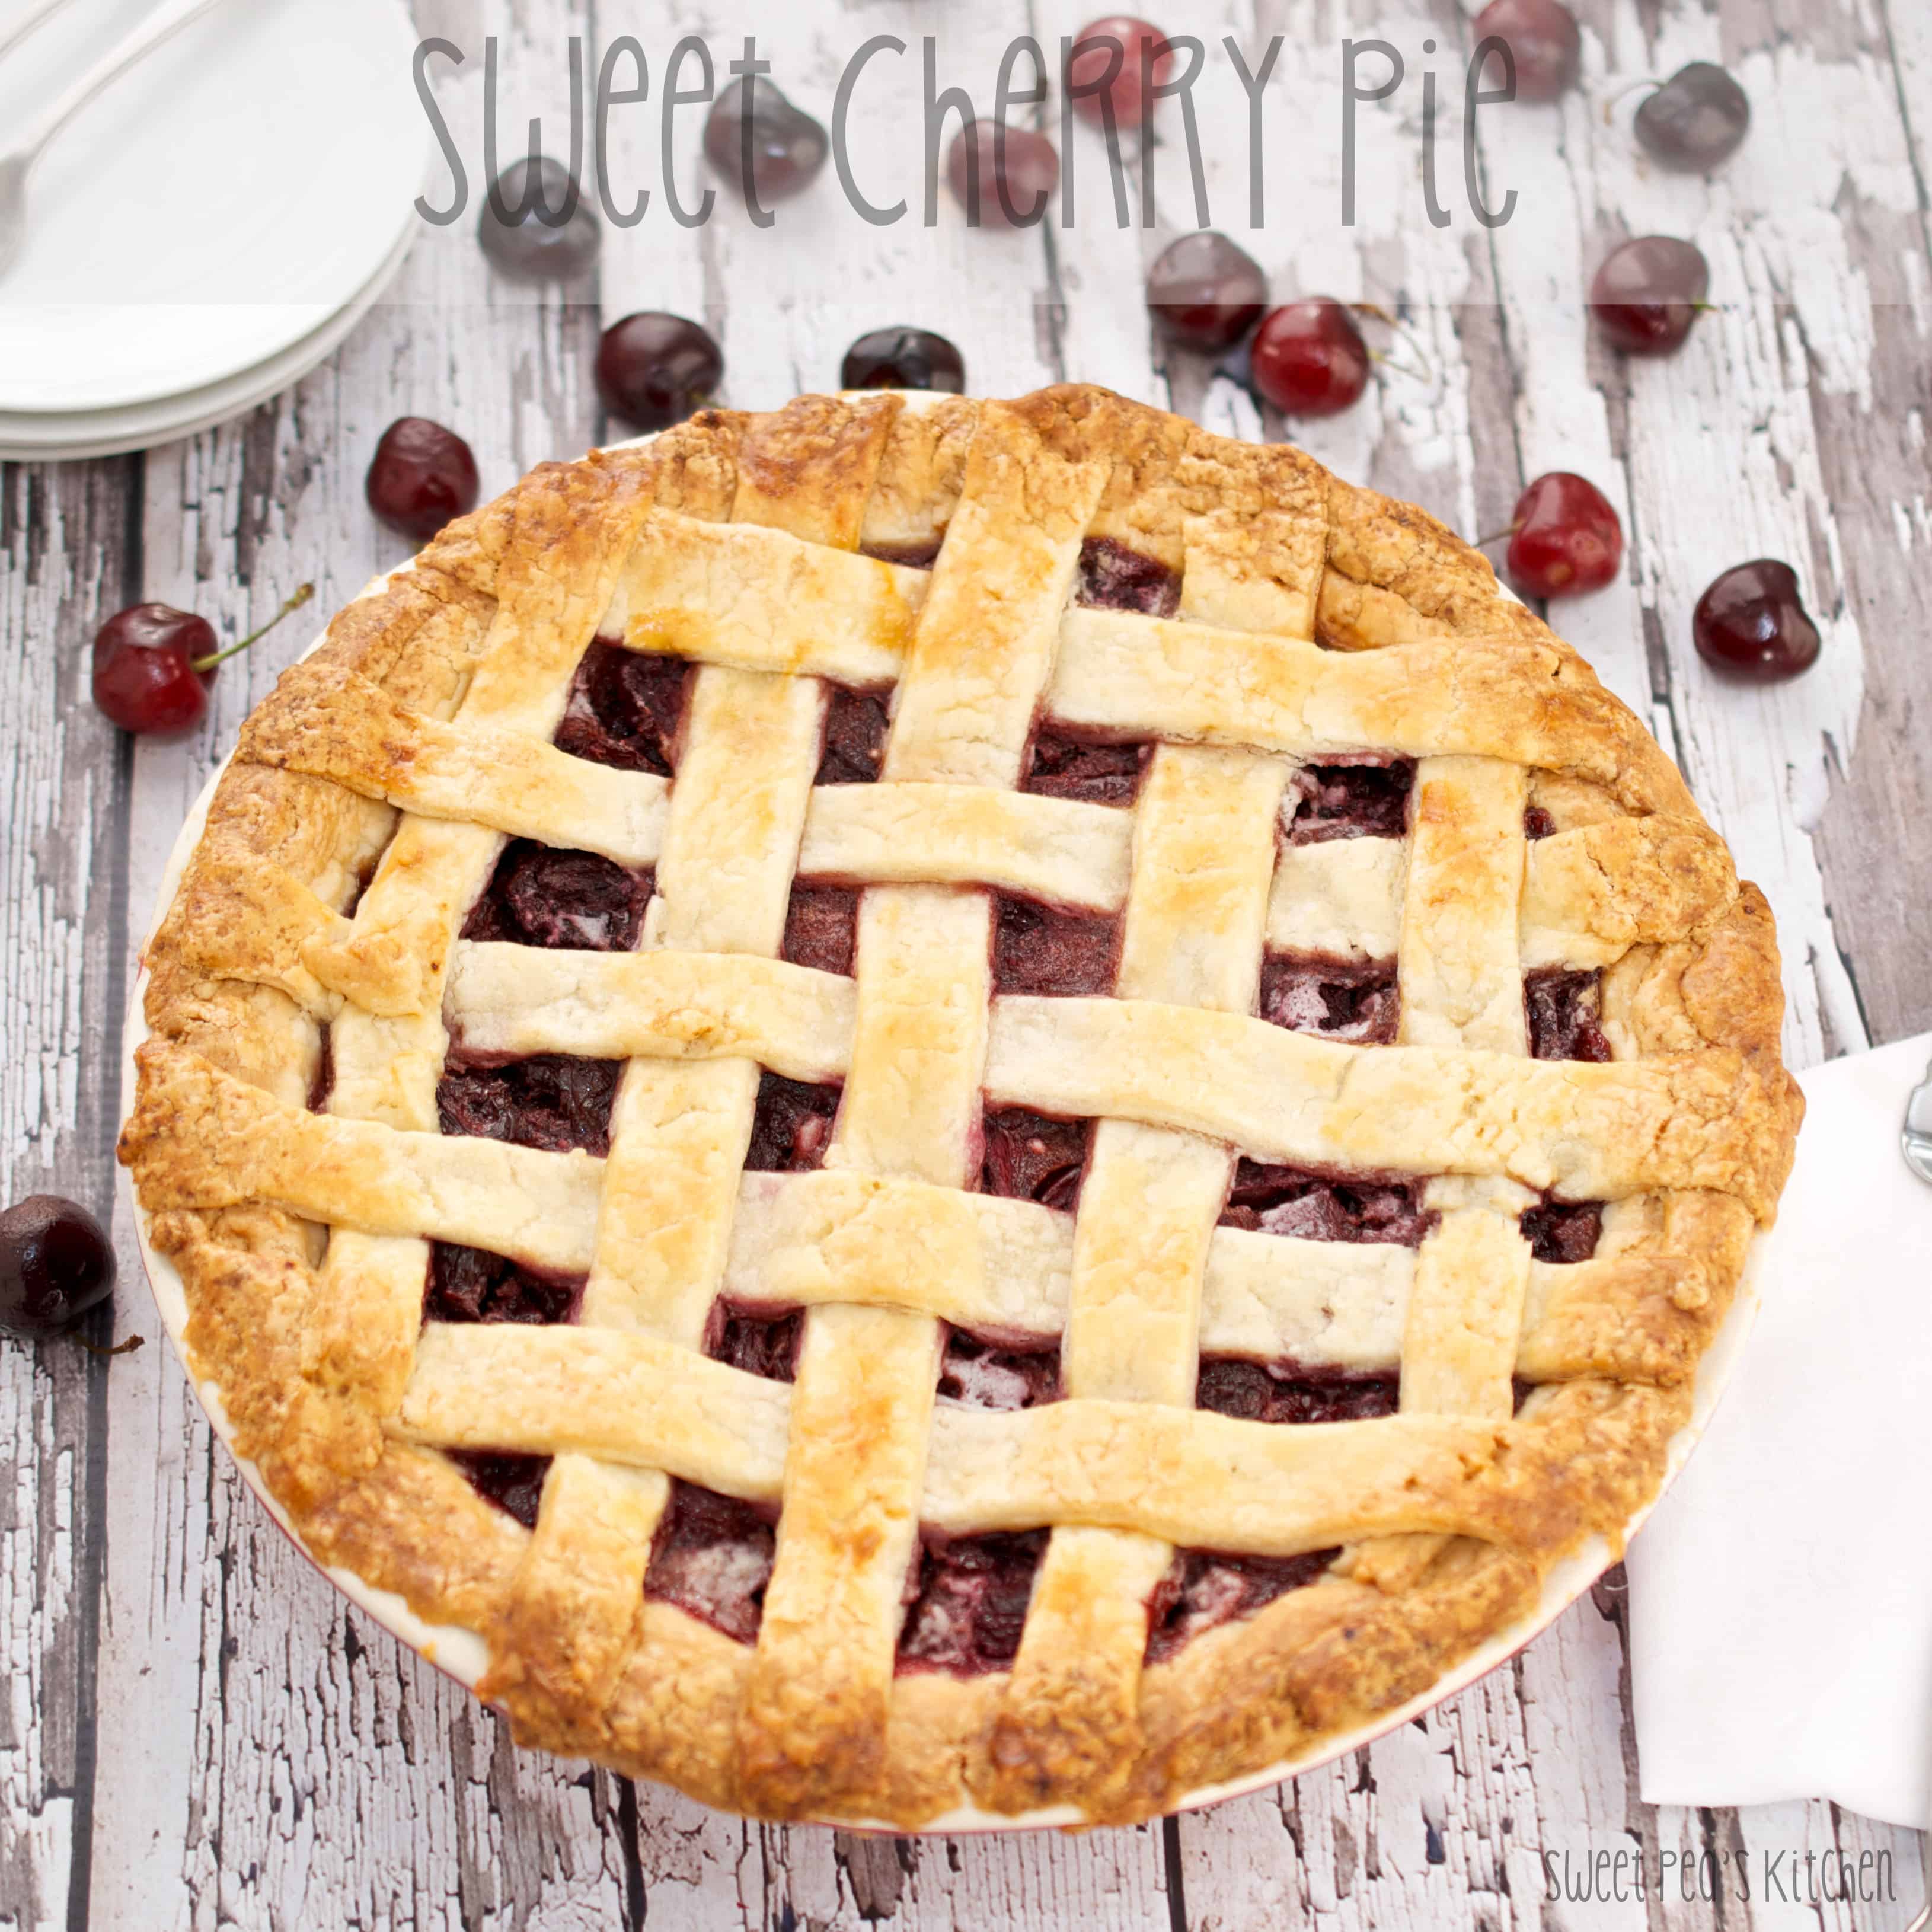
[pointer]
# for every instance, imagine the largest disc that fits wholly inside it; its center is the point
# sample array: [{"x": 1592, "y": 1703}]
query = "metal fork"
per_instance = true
[
  {"x": 1915, "y": 1138},
  {"x": 162, "y": 24}
]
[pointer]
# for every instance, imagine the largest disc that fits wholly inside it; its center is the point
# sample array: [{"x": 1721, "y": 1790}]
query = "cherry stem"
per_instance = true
[
  {"x": 126, "y": 1347},
  {"x": 303, "y": 592},
  {"x": 1401, "y": 368},
  {"x": 1374, "y": 310},
  {"x": 1623, "y": 93},
  {"x": 1496, "y": 536}
]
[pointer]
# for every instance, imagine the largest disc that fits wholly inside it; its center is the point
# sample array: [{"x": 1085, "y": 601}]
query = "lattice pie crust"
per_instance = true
[{"x": 1343, "y": 1020}]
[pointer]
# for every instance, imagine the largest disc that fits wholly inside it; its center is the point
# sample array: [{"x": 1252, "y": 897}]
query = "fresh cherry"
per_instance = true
[
  {"x": 786, "y": 146},
  {"x": 153, "y": 665},
  {"x": 1564, "y": 538},
  {"x": 1696, "y": 119},
  {"x": 654, "y": 369},
  {"x": 1012, "y": 194},
  {"x": 545, "y": 233},
  {"x": 56, "y": 1264},
  {"x": 1751, "y": 621},
  {"x": 903, "y": 358},
  {"x": 1145, "y": 60},
  {"x": 1308, "y": 358},
  {"x": 1544, "y": 41},
  {"x": 1203, "y": 292},
  {"x": 421, "y": 477},
  {"x": 1648, "y": 292}
]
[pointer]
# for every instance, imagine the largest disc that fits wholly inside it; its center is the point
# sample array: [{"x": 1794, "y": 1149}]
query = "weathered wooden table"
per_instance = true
[{"x": 195, "y": 1730}]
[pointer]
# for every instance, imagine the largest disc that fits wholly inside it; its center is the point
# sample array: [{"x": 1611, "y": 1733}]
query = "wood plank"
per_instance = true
[
  {"x": 1873, "y": 438},
  {"x": 704, "y": 1872},
  {"x": 64, "y": 540}
]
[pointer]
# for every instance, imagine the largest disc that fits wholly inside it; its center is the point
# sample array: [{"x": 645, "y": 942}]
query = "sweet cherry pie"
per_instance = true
[{"x": 990, "y": 1104}]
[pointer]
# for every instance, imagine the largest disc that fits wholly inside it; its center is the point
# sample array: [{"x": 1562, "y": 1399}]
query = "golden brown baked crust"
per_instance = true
[{"x": 369, "y": 797}]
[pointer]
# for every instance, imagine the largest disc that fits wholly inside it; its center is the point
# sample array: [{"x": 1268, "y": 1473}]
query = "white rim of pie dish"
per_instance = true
[{"x": 463, "y": 1654}]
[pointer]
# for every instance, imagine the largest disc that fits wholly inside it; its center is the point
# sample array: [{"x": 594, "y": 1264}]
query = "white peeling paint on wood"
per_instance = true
[
  {"x": 267, "y": 1758},
  {"x": 60, "y": 540}
]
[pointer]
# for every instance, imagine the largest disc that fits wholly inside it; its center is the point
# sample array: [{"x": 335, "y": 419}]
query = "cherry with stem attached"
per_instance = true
[
  {"x": 153, "y": 665},
  {"x": 1308, "y": 357},
  {"x": 1565, "y": 538}
]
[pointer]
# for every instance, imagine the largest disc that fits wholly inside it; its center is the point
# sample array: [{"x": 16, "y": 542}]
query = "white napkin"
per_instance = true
[{"x": 1781, "y": 1595}]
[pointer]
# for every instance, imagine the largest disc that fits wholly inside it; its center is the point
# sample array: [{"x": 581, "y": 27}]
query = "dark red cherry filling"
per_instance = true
[
  {"x": 1352, "y": 801},
  {"x": 321, "y": 1082},
  {"x": 1031, "y": 1156},
  {"x": 1537, "y": 823},
  {"x": 855, "y": 738},
  {"x": 711, "y": 1557},
  {"x": 822, "y": 927},
  {"x": 754, "y": 1340},
  {"x": 1321, "y": 1207},
  {"x": 921, "y": 556},
  {"x": 987, "y": 1375},
  {"x": 1564, "y": 1010},
  {"x": 1058, "y": 767},
  {"x": 1046, "y": 950},
  {"x": 1563, "y": 1231},
  {"x": 552, "y": 1101},
  {"x": 540, "y": 896},
  {"x": 1292, "y": 1393},
  {"x": 624, "y": 708},
  {"x": 1354, "y": 1000},
  {"x": 513, "y": 1483},
  {"x": 1205, "y": 1587},
  {"x": 472, "y": 1285},
  {"x": 1113, "y": 578},
  {"x": 970, "y": 1602},
  {"x": 791, "y": 1126}
]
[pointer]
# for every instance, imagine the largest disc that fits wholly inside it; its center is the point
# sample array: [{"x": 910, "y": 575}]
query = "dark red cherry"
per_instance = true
[
  {"x": 993, "y": 196},
  {"x": 903, "y": 358},
  {"x": 1203, "y": 292},
  {"x": 1753, "y": 622},
  {"x": 1696, "y": 119},
  {"x": 56, "y": 1264},
  {"x": 1308, "y": 358},
  {"x": 545, "y": 232},
  {"x": 788, "y": 146},
  {"x": 421, "y": 477},
  {"x": 153, "y": 665},
  {"x": 145, "y": 677},
  {"x": 1543, "y": 38},
  {"x": 1648, "y": 292},
  {"x": 1145, "y": 60},
  {"x": 654, "y": 370},
  {"x": 1565, "y": 538}
]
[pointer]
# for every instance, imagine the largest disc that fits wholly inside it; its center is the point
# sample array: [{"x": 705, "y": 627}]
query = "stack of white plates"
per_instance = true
[{"x": 210, "y": 228}]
